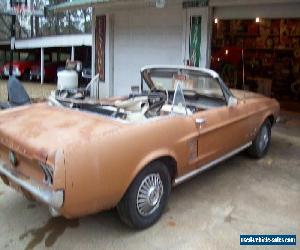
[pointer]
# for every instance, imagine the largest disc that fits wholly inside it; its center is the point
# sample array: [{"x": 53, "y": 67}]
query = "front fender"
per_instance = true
[{"x": 272, "y": 112}]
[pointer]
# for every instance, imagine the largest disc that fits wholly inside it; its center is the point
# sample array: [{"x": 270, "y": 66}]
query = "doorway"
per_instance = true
[
  {"x": 196, "y": 37},
  {"x": 271, "y": 50}
]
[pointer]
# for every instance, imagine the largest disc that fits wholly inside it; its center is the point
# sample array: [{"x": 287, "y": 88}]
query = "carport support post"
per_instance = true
[
  {"x": 12, "y": 44},
  {"x": 42, "y": 65},
  {"x": 73, "y": 53}
]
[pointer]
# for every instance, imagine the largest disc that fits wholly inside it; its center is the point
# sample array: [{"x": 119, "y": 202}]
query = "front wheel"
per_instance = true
[
  {"x": 147, "y": 196},
  {"x": 261, "y": 143}
]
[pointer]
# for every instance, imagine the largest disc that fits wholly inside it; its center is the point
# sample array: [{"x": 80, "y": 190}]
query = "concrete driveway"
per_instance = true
[{"x": 239, "y": 196}]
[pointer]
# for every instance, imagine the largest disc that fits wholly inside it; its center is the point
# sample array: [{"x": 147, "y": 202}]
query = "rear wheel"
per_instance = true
[
  {"x": 261, "y": 143},
  {"x": 147, "y": 196}
]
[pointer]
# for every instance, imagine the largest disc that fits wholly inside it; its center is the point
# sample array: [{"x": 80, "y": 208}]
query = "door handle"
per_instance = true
[{"x": 200, "y": 121}]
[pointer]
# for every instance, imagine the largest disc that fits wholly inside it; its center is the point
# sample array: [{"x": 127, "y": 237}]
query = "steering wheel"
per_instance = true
[
  {"x": 157, "y": 99},
  {"x": 71, "y": 93}
]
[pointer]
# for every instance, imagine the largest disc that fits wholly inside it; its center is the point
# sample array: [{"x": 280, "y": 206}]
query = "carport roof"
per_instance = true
[{"x": 76, "y": 4}]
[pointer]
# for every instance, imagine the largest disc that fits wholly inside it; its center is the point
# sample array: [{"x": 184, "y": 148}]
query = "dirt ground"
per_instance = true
[
  {"x": 239, "y": 196},
  {"x": 34, "y": 89}
]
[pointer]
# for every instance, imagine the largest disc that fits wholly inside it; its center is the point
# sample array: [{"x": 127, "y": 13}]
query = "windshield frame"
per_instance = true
[{"x": 147, "y": 70}]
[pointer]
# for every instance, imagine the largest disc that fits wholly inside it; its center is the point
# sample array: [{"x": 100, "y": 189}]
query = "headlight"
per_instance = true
[{"x": 48, "y": 173}]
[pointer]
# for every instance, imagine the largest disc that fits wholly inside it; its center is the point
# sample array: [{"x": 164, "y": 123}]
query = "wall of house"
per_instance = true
[{"x": 143, "y": 35}]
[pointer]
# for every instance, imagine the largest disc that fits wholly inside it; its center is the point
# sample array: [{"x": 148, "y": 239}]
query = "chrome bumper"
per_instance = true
[{"x": 54, "y": 199}]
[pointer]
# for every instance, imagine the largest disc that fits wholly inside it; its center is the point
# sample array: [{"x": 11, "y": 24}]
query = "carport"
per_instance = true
[
  {"x": 20, "y": 15},
  {"x": 68, "y": 44}
]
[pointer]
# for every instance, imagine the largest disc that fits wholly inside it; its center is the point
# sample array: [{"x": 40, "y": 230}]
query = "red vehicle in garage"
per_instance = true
[
  {"x": 21, "y": 68},
  {"x": 28, "y": 67},
  {"x": 50, "y": 71}
]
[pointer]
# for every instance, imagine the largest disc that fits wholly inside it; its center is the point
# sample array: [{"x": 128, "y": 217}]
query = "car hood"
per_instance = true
[{"x": 37, "y": 131}]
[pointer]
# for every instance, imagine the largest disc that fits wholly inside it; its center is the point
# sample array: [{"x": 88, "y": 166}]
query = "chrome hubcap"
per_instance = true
[
  {"x": 149, "y": 194},
  {"x": 264, "y": 138}
]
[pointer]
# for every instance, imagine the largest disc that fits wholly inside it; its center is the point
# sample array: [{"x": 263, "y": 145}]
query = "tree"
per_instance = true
[{"x": 68, "y": 22}]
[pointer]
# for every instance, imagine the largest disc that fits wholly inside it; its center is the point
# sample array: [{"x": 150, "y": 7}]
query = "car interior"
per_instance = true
[{"x": 174, "y": 92}]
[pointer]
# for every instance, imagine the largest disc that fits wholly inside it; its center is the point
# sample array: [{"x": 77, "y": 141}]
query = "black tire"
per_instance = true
[
  {"x": 261, "y": 143},
  {"x": 130, "y": 211}
]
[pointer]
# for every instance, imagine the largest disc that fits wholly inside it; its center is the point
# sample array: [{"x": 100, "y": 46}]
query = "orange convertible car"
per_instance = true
[{"x": 80, "y": 156}]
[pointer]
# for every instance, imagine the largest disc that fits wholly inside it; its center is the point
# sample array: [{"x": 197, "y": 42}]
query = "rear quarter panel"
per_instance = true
[{"x": 99, "y": 171}]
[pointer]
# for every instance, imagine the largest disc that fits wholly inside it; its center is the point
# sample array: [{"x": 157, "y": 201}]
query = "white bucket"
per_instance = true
[{"x": 67, "y": 79}]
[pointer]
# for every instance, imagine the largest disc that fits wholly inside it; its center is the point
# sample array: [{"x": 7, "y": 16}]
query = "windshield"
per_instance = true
[
  {"x": 190, "y": 82},
  {"x": 178, "y": 105}
]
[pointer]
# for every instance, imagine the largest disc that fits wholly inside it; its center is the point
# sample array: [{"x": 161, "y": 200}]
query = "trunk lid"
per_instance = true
[{"x": 36, "y": 131}]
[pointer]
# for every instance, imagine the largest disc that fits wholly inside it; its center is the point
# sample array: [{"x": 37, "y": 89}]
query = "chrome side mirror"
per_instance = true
[{"x": 232, "y": 101}]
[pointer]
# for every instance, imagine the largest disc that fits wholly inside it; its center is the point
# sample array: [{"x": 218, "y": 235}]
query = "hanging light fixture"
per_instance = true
[{"x": 160, "y": 4}]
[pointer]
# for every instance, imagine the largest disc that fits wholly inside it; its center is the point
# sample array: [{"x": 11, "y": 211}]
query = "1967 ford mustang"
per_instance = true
[{"x": 81, "y": 156}]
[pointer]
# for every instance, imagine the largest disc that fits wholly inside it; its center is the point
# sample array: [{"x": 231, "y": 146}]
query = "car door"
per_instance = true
[{"x": 222, "y": 130}]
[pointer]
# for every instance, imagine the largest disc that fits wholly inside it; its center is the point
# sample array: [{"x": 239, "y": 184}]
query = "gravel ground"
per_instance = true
[{"x": 34, "y": 89}]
